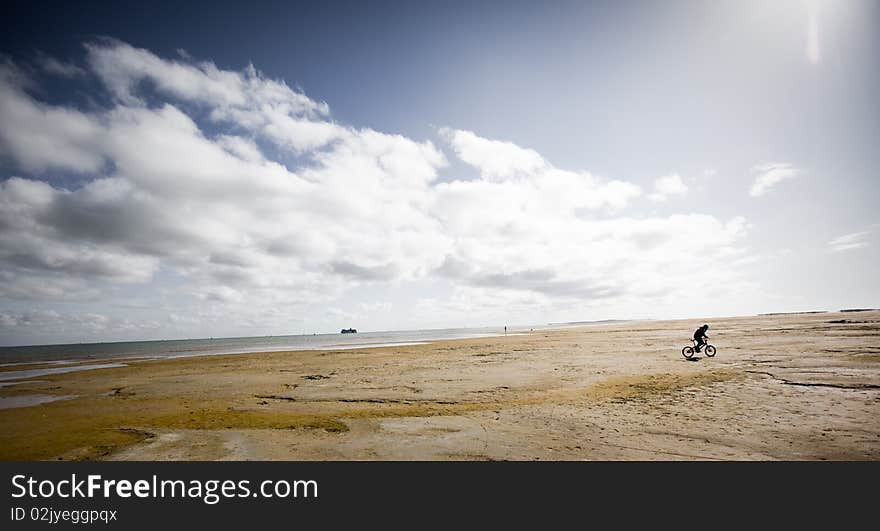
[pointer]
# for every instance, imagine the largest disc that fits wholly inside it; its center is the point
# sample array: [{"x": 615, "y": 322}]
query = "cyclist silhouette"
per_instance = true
[{"x": 700, "y": 336}]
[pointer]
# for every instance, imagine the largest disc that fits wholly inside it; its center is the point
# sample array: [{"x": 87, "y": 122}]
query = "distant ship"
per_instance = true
[{"x": 349, "y": 331}]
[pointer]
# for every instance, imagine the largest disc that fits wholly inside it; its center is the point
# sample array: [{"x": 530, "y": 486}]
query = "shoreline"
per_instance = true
[
  {"x": 226, "y": 350},
  {"x": 797, "y": 386}
]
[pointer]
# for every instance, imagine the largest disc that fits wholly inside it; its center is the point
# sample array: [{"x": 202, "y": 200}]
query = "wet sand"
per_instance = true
[{"x": 784, "y": 387}]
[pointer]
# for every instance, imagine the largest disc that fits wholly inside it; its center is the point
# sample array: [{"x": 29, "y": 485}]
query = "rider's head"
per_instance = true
[{"x": 705, "y": 327}]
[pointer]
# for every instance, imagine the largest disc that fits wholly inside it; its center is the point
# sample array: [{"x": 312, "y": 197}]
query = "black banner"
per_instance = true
[{"x": 416, "y": 494}]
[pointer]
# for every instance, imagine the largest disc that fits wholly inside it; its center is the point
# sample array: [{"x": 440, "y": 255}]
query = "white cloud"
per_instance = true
[
  {"x": 301, "y": 135},
  {"x": 213, "y": 209},
  {"x": 243, "y": 148},
  {"x": 769, "y": 175},
  {"x": 547, "y": 233},
  {"x": 246, "y": 99},
  {"x": 375, "y": 307},
  {"x": 58, "y": 68},
  {"x": 40, "y": 137},
  {"x": 812, "y": 43},
  {"x": 667, "y": 186},
  {"x": 508, "y": 170},
  {"x": 497, "y": 160},
  {"x": 199, "y": 197},
  {"x": 83, "y": 325},
  {"x": 849, "y": 242}
]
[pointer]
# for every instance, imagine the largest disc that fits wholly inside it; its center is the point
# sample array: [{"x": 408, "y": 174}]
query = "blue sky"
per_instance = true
[{"x": 186, "y": 169}]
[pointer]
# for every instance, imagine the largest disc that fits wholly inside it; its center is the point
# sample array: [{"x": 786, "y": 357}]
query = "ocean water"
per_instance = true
[{"x": 80, "y": 352}]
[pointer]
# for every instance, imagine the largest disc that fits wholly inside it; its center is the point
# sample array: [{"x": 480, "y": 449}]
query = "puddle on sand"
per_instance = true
[
  {"x": 11, "y": 402},
  {"x": 20, "y": 375},
  {"x": 7, "y": 384}
]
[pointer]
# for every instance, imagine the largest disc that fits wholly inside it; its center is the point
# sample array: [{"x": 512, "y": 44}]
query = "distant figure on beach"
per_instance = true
[
  {"x": 505, "y": 329},
  {"x": 700, "y": 336}
]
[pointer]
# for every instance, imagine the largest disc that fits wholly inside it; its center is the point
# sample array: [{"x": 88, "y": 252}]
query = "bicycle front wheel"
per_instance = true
[
  {"x": 710, "y": 350},
  {"x": 687, "y": 352}
]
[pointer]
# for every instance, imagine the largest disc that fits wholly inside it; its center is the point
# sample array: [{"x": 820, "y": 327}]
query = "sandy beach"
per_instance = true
[{"x": 782, "y": 387}]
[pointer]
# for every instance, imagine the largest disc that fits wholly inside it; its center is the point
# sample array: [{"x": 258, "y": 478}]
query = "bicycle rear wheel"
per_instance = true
[
  {"x": 687, "y": 352},
  {"x": 710, "y": 350}
]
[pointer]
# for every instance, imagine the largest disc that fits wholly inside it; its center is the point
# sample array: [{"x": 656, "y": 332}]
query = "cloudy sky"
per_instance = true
[{"x": 193, "y": 170}]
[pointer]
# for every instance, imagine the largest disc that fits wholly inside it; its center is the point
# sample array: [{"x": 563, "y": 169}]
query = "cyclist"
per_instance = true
[{"x": 700, "y": 336}]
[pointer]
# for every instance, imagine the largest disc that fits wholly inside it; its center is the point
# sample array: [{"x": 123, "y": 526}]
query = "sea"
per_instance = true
[{"x": 176, "y": 348}]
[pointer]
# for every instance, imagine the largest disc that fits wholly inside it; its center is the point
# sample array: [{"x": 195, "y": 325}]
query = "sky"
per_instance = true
[{"x": 188, "y": 169}]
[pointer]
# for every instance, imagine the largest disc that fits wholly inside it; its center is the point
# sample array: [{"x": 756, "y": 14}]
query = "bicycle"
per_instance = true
[{"x": 688, "y": 352}]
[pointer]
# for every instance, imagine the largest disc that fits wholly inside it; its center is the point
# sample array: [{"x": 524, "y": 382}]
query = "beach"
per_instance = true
[{"x": 781, "y": 387}]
